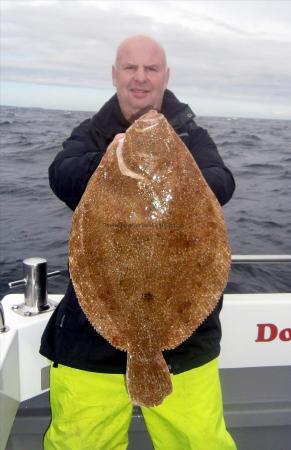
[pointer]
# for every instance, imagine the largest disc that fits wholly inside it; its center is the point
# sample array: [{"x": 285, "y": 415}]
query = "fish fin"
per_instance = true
[{"x": 148, "y": 380}]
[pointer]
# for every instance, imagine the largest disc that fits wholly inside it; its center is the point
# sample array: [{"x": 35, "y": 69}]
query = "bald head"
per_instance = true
[
  {"x": 140, "y": 75},
  {"x": 145, "y": 43}
]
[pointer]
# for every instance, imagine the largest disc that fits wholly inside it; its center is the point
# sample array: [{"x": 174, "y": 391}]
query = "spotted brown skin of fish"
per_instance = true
[{"x": 148, "y": 253}]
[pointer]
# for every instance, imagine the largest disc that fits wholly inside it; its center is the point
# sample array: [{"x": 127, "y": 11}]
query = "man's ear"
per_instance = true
[{"x": 114, "y": 76}]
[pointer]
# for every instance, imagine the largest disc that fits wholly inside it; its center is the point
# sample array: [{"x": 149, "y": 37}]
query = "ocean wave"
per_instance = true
[
  {"x": 253, "y": 137},
  {"x": 6, "y": 122},
  {"x": 263, "y": 166},
  {"x": 264, "y": 224},
  {"x": 246, "y": 143}
]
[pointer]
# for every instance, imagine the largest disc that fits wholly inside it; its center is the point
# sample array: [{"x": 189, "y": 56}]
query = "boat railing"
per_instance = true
[{"x": 256, "y": 259}]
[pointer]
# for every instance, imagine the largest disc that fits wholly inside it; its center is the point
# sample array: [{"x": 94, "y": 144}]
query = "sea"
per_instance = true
[{"x": 34, "y": 222}]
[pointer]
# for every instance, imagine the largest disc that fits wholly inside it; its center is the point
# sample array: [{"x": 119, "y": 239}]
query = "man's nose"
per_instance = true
[{"x": 140, "y": 75}]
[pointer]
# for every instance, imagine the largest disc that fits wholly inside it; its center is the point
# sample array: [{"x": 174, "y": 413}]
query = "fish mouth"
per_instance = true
[
  {"x": 150, "y": 119},
  {"x": 140, "y": 115}
]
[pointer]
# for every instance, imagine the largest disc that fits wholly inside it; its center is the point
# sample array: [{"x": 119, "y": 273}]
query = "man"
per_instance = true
[{"x": 90, "y": 406}]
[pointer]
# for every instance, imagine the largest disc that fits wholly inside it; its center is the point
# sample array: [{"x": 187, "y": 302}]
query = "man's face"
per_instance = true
[{"x": 140, "y": 76}]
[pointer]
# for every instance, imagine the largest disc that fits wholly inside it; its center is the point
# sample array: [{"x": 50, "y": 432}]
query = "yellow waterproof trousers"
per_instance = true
[{"x": 92, "y": 411}]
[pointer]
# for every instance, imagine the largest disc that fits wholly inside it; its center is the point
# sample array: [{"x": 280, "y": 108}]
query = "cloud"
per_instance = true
[{"x": 234, "y": 50}]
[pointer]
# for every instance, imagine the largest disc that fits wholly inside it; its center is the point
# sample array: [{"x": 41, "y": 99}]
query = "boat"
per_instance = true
[{"x": 255, "y": 365}]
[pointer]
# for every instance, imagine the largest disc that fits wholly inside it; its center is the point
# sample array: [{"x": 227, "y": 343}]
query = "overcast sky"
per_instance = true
[{"x": 227, "y": 58}]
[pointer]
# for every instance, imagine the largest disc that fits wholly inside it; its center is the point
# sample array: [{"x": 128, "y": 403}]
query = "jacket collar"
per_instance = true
[{"x": 109, "y": 120}]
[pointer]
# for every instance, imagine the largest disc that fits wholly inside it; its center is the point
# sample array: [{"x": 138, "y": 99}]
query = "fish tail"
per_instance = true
[{"x": 148, "y": 380}]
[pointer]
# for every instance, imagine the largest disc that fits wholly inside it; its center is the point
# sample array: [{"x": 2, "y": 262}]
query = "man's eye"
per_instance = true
[
  {"x": 153, "y": 69},
  {"x": 129, "y": 68}
]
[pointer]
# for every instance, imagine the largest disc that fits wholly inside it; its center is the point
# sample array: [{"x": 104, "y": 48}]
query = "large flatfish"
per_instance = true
[{"x": 148, "y": 253}]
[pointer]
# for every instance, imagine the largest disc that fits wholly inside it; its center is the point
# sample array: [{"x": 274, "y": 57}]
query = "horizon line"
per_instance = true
[{"x": 232, "y": 117}]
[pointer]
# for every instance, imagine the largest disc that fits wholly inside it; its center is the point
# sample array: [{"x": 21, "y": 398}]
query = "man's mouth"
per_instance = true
[{"x": 139, "y": 93}]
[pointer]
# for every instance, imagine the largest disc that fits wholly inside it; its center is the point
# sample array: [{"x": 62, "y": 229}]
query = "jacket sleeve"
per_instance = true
[
  {"x": 73, "y": 166},
  {"x": 216, "y": 174}
]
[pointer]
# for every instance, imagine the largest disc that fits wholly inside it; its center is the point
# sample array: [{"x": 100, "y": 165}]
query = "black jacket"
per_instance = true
[{"x": 69, "y": 338}]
